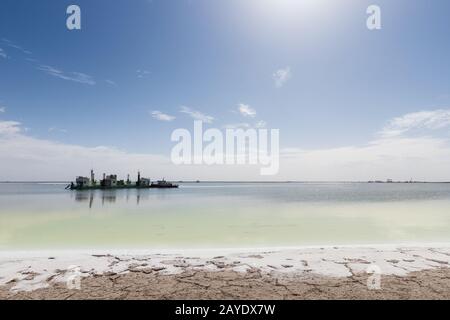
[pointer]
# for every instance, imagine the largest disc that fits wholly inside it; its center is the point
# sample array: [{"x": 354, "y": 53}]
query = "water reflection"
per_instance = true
[
  {"x": 85, "y": 197},
  {"x": 112, "y": 196},
  {"x": 226, "y": 215}
]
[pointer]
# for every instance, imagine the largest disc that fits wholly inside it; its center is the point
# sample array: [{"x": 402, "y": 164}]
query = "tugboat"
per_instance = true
[{"x": 163, "y": 184}]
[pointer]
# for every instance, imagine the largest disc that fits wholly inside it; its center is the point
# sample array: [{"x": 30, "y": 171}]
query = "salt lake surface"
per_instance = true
[{"x": 205, "y": 215}]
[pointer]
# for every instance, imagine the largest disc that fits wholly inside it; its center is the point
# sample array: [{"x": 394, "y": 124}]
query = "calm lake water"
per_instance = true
[{"x": 45, "y": 216}]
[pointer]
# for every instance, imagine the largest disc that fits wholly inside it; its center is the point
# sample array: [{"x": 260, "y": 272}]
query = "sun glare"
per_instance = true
[
  {"x": 286, "y": 18},
  {"x": 289, "y": 11},
  {"x": 289, "y": 7}
]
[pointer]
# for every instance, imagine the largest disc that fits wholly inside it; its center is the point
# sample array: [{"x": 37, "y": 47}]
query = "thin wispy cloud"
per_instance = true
[
  {"x": 197, "y": 115},
  {"x": 56, "y": 129},
  {"x": 245, "y": 125},
  {"x": 70, "y": 76},
  {"x": 260, "y": 124},
  {"x": 11, "y": 44},
  {"x": 20, "y": 49},
  {"x": 246, "y": 110},
  {"x": 110, "y": 82},
  {"x": 158, "y": 115},
  {"x": 2, "y": 109},
  {"x": 416, "y": 121},
  {"x": 281, "y": 76},
  {"x": 142, "y": 73},
  {"x": 242, "y": 125},
  {"x": 9, "y": 127}
]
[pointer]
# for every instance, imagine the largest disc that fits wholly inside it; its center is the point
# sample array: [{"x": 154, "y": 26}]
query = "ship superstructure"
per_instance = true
[{"x": 111, "y": 182}]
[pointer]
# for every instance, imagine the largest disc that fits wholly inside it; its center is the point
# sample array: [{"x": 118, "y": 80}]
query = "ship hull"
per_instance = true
[
  {"x": 122, "y": 187},
  {"x": 107, "y": 188}
]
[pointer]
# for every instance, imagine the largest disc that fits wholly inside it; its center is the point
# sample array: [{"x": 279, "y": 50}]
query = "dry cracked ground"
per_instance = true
[{"x": 151, "y": 283}]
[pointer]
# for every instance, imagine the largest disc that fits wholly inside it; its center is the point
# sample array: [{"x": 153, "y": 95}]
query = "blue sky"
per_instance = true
[{"x": 98, "y": 86}]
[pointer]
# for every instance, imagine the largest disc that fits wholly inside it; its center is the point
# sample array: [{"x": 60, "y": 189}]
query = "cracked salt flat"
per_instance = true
[{"x": 33, "y": 270}]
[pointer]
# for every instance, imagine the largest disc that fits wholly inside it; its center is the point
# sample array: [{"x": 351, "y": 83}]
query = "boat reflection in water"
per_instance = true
[{"x": 112, "y": 196}]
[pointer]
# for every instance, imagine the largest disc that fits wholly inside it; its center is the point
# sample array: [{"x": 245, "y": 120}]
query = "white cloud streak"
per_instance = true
[
  {"x": 72, "y": 76},
  {"x": 260, "y": 124},
  {"x": 11, "y": 44},
  {"x": 197, "y": 115},
  {"x": 55, "y": 129},
  {"x": 158, "y": 115},
  {"x": 8, "y": 128},
  {"x": 281, "y": 76},
  {"x": 246, "y": 110},
  {"x": 3, "y": 54},
  {"x": 411, "y": 122},
  {"x": 69, "y": 76},
  {"x": 243, "y": 125},
  {"x": 142, "y": 73}
]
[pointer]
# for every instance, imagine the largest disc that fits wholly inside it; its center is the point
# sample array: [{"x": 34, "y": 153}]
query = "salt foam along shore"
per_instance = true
[{"x": 39, "y": 269}]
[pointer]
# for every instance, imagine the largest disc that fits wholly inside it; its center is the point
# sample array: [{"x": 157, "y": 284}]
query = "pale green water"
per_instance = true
[{"x": 42, "y": 216}]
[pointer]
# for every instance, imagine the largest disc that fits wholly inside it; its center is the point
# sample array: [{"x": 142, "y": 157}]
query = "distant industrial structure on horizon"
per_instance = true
[{"x": 392, "y": 181}]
